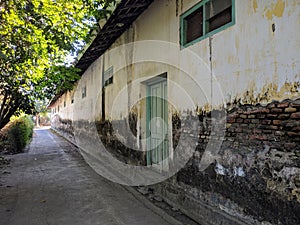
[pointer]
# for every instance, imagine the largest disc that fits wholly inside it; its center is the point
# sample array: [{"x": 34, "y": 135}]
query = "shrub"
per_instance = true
[{"x": 20, "y": 133}]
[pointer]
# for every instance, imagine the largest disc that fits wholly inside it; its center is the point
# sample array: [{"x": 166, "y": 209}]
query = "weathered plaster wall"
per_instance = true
[
  {"x": 256, "y": 171},
  {"x": 252, "y": 67}
]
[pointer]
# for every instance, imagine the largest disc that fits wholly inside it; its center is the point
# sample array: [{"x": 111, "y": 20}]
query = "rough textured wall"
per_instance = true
[
  {"x": 106, "y": 134},
  {"x": 112, "y": 143},
  {"x": 256, "y": 175},
  {"x": 63, "y": 127}
]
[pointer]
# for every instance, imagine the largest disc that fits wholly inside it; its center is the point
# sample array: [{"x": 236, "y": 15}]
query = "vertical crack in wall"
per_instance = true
[
  {"x": 211, "y": 69},
  {"x": 103, "y": 90},
  {"x": 177, "y": 7}
]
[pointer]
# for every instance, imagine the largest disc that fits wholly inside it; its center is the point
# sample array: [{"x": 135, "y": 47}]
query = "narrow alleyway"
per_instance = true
[{"x": 52, "y": 185}]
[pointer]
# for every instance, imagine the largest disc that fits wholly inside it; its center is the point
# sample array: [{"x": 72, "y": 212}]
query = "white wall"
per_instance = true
[{"x": 249, "y": 60}]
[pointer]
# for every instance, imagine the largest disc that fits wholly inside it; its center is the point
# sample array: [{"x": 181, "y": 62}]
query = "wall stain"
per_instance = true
[
  {"x": 267, "y": 94},
  {"x": 237, "y": 43},
  {"x": 276, "y": 10},
  {"x": 255, "y": 5}
]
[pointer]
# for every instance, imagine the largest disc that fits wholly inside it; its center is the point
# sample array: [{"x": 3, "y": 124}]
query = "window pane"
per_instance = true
[
  {"x": 194, "y": 25},
  {"x": 218, "y": 13},
  {"x": 214, "y": 7}
]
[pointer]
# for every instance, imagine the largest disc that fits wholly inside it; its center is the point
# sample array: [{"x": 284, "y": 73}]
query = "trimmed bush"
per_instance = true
[{"x": 19, "y": 134}]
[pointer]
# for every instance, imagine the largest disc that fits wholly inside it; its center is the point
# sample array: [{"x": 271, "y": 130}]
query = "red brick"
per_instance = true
[
  {"x": 230, "y": 120},
  {"x": 273, "y": 116},
  {"x": 284, "y": 116},
  {"x": 261, "y": 116},
  {"x": 271, "y": 105},
  {"x": 260, "y": 111},
  {"x": 246, "y": 112},
  {"x": 247, "y": 121},
  {"x": 279, "y": 133},
  {"x": 277, "y": 122},
  {"x": 290, "y": 145},
  {"x": 283, "y": 105},
  {"x": 256, "y": 131},
  {"x": 239, "y": 120},
  {"x": 295, "y": 115},
  {"x": 289, "y": 124},
  {"x": 290, "y": 110},
  {"x": 267, "y": 131},
  {"x": 258, "y": 137},
  {"x": 261, "y": 137},
  {"x": 296, "y": 103},
  {"x": 239, "y": 130},
  {"x": 266, "y": 122},
  {"x": 293, "y": 134},
  {"x": 252, "y": 137},
  {"x": 255, "y": 121},
  {"x": 276, "y": 110},
  {"x": 296, "y": 128},
  {"x": 273, "y": 127}
]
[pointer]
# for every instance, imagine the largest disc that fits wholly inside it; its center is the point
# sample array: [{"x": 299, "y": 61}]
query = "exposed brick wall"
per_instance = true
[
  {"x": 276, "y": 125},
  {"x": 256, "y": 175},
  {"x": 254, "y": 178}
]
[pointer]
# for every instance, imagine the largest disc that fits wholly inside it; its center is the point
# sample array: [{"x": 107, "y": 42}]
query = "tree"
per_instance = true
[{"x": 36, "y": 38}]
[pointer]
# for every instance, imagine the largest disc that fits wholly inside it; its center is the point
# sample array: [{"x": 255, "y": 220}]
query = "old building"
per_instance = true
[{"x": 199, "y": 100}]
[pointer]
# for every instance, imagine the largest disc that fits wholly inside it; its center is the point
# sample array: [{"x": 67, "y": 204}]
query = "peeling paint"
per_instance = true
[
  {"x": 221, "y": 170},
  {"x": 276, "y": 10},
  {"x": 268, "y": 93},
  {"x": 255, "y": 68},
  {"x": 255, "y": 5},
  {"x": 239, "y": 171}
]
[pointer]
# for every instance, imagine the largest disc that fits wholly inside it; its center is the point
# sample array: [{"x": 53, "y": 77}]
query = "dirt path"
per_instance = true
[{"x": 52, "y": 185}]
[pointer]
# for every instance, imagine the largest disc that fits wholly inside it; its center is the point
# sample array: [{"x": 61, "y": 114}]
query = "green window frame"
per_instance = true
[{"x": 202, "y": 8}]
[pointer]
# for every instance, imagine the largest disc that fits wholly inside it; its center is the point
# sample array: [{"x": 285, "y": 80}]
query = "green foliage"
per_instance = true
[
  {"x": 36, "y": 38},
  {"x": 20, "y": 133}
]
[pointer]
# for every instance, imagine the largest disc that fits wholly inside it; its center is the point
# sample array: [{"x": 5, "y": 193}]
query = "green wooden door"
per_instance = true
[{"x": 157, "y": 124}]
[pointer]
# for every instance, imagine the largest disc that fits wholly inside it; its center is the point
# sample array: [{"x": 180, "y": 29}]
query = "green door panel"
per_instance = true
[{"x": 157, "y": 123}]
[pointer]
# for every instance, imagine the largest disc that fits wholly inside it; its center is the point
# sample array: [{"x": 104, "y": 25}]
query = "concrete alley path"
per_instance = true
[{"x": 51, "y": 184}]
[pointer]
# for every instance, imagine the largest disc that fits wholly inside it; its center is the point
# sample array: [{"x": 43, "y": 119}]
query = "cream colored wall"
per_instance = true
[
  {"x": 254, "y": 58},
  {"x": 247, "y": 57},
  {"x": 58, "y": 107}
]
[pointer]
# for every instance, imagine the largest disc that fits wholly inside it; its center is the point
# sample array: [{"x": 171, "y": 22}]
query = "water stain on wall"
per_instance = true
[{"x": 255, "y": 5}]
